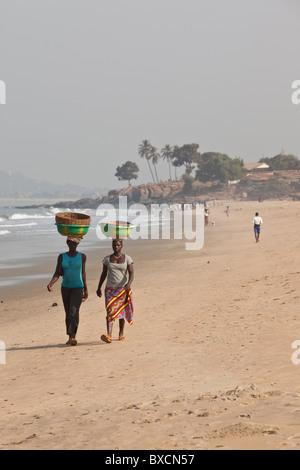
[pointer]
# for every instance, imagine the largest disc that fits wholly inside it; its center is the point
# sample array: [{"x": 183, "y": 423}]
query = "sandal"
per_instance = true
[
  {"x": 73, "y": 342},
  {"x": 121, "y": 338},
  {"x": 106, "y": 339}
]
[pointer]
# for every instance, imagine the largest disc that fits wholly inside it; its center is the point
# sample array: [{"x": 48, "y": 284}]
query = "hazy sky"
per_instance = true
[{"x": 88, "y": 80}]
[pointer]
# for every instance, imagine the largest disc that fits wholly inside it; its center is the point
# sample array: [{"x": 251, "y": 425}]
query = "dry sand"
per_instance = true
[{"x": 206, "y": 365}]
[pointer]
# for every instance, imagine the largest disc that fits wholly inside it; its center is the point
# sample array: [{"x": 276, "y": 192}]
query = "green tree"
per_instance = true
[
  {"x": 214, "y": 166},
  {"x": 173, "y": 159},
  {"x": 155, "y": 156},
  {"x": 282, "y": 162},
  {"x": 188, "y": 184},
  {"x": 167, "y": 154},
  {"x": 127, "y": 172},
  {"x": 186, "y": 156},
  {"x": 145, "y": 152}
]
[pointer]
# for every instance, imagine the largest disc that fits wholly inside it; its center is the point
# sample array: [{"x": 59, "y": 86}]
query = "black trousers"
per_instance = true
[{"x": 72, "y": 299}]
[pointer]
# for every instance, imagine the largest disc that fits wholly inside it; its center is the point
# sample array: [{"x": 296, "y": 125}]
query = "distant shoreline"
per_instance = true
[{"x": 25, "y": 199}]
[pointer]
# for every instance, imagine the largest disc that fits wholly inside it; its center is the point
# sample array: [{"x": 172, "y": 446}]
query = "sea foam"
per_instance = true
[{"x": 28, "y": 216}]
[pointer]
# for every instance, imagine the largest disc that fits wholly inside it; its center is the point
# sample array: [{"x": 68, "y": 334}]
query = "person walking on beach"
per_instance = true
[
  {"x": 206, "y": 215},
  {"x": 257, "y": 222},
  {"x": 118, "y": 294},
  {"x": 71, "y": 266}
]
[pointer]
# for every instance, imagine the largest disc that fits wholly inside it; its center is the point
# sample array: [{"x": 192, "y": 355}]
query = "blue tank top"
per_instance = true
[{"x": 72, "y": 269}]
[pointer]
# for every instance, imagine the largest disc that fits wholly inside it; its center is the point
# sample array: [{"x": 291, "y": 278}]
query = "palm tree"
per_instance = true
[
  {"x": 167, "y": 153},
  {"x": 173, "y": 158},
  {"x": 145, "y": 152},
  {"x": 155, "y": 156}
]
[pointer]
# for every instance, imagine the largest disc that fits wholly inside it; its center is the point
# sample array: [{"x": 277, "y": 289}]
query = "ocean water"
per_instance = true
[{"x": 29, "y": 236}]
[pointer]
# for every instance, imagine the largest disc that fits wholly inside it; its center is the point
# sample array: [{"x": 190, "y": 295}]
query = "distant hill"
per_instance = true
[{"x": 16, "y": 185}]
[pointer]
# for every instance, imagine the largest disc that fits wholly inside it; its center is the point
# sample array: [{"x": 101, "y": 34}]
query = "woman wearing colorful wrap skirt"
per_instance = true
[
  {"x": 74, "y": 290},
  {"x": 118, "y": 294}
]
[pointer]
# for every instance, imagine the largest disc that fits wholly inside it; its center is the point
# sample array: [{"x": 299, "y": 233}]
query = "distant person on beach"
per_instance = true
[
  {"x": 71, "y": 266},
  {"x": 118, "y": 294},
  {"x": 206, "y": 215},
  {"x": 257, "y": 222},
  {"x": 227, "y": 211}
]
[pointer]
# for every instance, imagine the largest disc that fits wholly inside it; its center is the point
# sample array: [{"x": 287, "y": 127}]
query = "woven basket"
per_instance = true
[{"x": 72, "y": 218}]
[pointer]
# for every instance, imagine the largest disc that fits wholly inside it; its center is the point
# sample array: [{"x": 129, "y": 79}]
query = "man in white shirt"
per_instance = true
[{"x": 257, "y": 222}]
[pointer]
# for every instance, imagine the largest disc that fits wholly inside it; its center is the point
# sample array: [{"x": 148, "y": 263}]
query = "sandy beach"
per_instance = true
[{"x": 207, "y": 363}]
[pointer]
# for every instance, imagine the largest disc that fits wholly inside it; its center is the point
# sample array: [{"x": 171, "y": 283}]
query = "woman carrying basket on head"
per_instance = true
[
  {"x": 74, "y": 290},
  {"x": 118, "y": 294}
]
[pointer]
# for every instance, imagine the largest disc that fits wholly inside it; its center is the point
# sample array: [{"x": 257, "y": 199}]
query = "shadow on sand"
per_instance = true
[{"x": 54, "y": 346}]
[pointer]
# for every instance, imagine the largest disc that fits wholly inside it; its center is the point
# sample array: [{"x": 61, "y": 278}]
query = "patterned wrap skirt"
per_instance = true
[{"x": 118, "y": 305}]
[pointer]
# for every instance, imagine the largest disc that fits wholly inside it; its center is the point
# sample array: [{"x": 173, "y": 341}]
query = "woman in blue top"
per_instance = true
[{"x": 71, "y": 266}]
